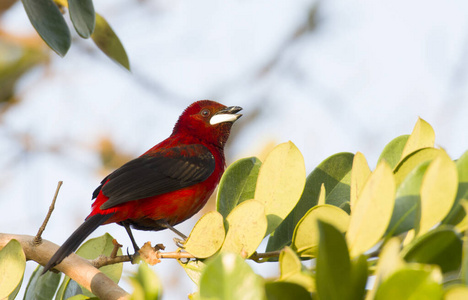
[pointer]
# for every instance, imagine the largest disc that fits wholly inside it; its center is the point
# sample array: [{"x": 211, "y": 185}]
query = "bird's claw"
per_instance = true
[
  {"x": 179, "y": 242},
  {"x": 135, "y": 257}
]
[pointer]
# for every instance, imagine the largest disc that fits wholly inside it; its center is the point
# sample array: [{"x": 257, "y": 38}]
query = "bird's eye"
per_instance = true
[{"x": 205, "y": 112}]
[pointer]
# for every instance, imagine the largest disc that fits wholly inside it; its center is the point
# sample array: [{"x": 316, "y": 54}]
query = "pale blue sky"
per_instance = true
[{"x": 361, "y": 78}]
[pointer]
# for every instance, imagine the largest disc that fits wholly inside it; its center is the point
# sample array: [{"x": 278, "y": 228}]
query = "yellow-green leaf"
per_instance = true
[
  {"x": 247, "y": 225},
  {"x": 438, "y": 191},
  {"x": 359, "y": 175},
  {"x": 423, "y": 136},
  {"x": 227, "y": 276},
  {"x": 291, "y": 270},
  {"x": 389, "y": 262},
  {"x": 280, "y": 183},
  {"x": 306, "y": 235},
  {"x": 457, "y": 292},
  {"x": 12, "y": 265},
  {"x": 372, "y": 212},
  {"x": 321, "y": 198},
  {"x": 193, "y": 268},
  {"x": 412, "y": 282},
  {"x": 109, "y": 43},
  {"x": 146, "y": 284},
  {"x": 412, "y": 161},
  {"x": 207, "y": 235},
  {"x": 335, "y": 173}
]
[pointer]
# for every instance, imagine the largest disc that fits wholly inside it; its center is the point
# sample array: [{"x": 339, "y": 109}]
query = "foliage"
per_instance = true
[
  {"x": 403, "y": 224},
  {"x": 47, "y": 18}
]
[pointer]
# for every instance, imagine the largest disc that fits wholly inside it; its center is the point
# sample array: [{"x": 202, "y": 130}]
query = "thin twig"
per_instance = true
[
  {"x": 102, "y": 260},
  {"x": 38, "y": 238},
  {"x": 260, "y": 257},
  {"x": 117, "y": 246}
]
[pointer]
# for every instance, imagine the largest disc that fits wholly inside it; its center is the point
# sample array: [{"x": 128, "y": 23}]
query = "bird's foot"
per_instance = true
[
  {"x": 135, "y": 257},
  {"x": 180, "y": 242}
]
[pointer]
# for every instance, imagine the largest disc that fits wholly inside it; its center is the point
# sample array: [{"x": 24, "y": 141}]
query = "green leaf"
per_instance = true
[
  {"x": 82, "y": 16},
  {"x": 228, "y": 276},
  {"x": 42, "y": 287},
  {"x": 333, "y": 266},
  {"x": 247, "y": 225},
  {"x": 102, "y": 245},
  {"x": 12, "y": 265},
  {"x": 237, "y": 184},
  {"x": 286, "y": 290},
  {"x": 438, "y": 191},
  {"x": 412, "y": 283},
  {"x": 280, "y": 183},
  {"x": 441, "y": 246},
  {"x": 207, "y": 235},
  {"x": 359, "y": 175},
  {"x": 193, "y": 268},
  {"x": 49, "y": 23},
  {"x": 91, "y": 249},
  {"x": 423, "y": 136},
  {"x": 146, "y": 284},
  {"x": 106, "y": 40},
  {"x": 372, "y": 212},
  {"x": 412, "y": 161},
  {"x": 393, "y": 150},
  {"x": 68, "y": 289},
  {"x": 407, "y": 201},
  {"x": 464, "y": 264},
  {"x": 292, "y": 271},
  {"x": 359, "y": 273},
  {"x": 306, "y": 235},
  {"x": 335, "y": 171},
  {"x": 457, "y": 213},
  {"x": 462, "y": 225},
  {"x": 82, "y": 297}
]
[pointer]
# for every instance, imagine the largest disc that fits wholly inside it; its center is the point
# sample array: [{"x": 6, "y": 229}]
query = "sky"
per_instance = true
[{"x": 359, "y": 77}]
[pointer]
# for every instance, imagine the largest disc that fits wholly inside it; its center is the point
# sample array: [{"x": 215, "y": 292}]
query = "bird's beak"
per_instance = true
[{"x": 228, "y": 114}]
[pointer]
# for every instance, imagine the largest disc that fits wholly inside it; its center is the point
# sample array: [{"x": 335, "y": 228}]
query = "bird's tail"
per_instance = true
[{"x": 77, "y": 237}]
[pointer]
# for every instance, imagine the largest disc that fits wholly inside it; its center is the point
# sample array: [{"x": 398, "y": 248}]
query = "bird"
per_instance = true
[{"x": 167, "y": 184}]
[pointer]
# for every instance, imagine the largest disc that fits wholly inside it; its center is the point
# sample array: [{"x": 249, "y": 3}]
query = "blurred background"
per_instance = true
[{"x": 331, "y": 76}]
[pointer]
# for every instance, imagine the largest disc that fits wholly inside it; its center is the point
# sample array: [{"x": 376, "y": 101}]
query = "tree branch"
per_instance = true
[{"x": 77, "y": 268}]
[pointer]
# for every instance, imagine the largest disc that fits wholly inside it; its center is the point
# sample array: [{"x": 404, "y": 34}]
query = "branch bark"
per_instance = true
[{"x": 77, "y": 268}]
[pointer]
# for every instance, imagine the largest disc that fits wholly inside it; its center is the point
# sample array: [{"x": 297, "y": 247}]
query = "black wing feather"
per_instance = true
[{"x": 151, "y": 175}]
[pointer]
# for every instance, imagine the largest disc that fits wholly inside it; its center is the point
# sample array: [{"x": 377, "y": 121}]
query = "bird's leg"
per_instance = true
[
  {"x": 165, "y": 224},
  {"x": 130, "y": 234},
  {"x": 135, "y": 246}
]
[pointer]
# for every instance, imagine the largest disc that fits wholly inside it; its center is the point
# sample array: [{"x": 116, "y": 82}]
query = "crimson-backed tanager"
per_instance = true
[{"x": 166, "y": 185}]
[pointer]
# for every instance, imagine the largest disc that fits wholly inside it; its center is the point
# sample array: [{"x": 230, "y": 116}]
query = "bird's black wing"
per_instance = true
[{"x": 154, "y": 174}]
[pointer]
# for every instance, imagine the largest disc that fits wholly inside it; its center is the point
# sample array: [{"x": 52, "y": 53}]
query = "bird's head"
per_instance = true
[{"x": 208, "y": 121}]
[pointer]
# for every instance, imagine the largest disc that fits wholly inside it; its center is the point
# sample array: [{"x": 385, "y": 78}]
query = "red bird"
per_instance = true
[{"x": 167, "y": 184}]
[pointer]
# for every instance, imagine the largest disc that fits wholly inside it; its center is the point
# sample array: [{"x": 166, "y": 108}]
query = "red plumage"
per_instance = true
[{"x": 167, "y": 184}]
